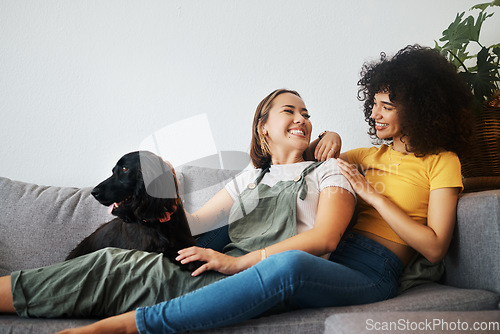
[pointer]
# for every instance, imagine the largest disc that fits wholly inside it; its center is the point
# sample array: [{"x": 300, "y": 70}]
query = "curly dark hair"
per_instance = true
[{"x": 433, "y": 103}]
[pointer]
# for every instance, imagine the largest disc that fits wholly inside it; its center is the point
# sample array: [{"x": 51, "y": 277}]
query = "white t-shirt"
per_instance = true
[{"x": 326, "y": 175}]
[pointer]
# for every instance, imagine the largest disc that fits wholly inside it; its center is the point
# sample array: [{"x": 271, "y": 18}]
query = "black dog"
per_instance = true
[{"x": 143, "y": 194}]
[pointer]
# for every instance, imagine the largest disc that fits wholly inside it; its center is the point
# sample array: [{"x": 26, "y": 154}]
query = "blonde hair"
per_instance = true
[{"x": 259, "y": 148}]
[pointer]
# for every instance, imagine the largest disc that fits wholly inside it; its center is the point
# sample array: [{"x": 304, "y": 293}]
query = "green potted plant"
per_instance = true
[
  {"x": 479, "y": 65},
  {"x": 480, "y": 70}
]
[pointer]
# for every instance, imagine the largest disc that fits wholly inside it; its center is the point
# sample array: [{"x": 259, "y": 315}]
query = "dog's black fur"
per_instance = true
[{"x": 142, "y": 189}]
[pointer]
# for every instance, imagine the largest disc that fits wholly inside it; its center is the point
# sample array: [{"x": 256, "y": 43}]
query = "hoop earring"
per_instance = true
[{"x": 264, "y": 146}]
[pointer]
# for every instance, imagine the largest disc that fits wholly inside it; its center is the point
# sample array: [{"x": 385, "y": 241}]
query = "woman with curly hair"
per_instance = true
[
  {"x": 433, "y": 105},
  {"x": 415, "y": 104}
]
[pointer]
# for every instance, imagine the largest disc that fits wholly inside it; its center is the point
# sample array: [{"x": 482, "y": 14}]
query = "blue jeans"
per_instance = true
[
  {"x": 216, "y": 239},
  {"x": 360, "y": 271}
]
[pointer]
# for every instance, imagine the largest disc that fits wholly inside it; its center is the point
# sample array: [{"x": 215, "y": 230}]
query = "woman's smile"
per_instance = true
[
  {"x": 297, "y": 132},
  {"x": 380, "y": 126},
  {"x": 287, "y": 129}
]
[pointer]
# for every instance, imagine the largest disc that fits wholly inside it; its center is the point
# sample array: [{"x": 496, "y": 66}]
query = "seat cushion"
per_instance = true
[
  {"x": 414, "y": 322},
  {"x": 426, "y": 297}
]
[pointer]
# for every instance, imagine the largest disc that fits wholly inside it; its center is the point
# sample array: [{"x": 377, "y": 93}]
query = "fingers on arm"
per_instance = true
[
  {"x": 325, "y": 152},
  {"x": 328, "y": 147},
  {"x": 352, "y": 174}
]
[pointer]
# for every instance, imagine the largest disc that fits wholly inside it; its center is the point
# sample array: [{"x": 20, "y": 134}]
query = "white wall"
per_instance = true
[{"x": 82, "y": 82}]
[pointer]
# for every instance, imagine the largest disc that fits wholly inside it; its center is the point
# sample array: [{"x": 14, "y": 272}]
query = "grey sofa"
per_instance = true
[{"x": 40, "y": 224}]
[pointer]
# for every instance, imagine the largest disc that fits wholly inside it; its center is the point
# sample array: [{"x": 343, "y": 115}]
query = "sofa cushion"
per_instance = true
[
  {"x": 414, "y": 322},
  {"x": 473, "y": 258},
  {"x": 434, "y": 296},
  {"x": 426, "y": 297},
  {"x": 41, "y": 224}
]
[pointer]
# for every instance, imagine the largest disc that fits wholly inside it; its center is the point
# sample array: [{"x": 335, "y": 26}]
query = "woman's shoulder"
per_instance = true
[
  {"x": 443, "y": 157},
  {"x": 250, "y": 172},
  {"x": 444, "y": 170},
  {"x": 447, "y": 155},
  {"x": 242, "y": 180},
  {"x": 329, "y": 166},
  {"x": 357, "y": 155}
]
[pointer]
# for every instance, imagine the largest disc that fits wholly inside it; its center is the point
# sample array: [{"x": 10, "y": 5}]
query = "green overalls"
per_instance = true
[
  {"x": 113, "y": 281},
  {"x": 274, "y": 217}
]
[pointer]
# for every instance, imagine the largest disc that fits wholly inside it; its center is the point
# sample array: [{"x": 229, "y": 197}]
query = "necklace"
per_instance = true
[{"x": 392, "y": 162}]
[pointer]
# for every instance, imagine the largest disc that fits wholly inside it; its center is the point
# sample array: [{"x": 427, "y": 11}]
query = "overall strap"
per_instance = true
[
  {"x": 253, "y": 185},
  {"x": 261, "y": 175},
  {"x": 303, "y": 183}
]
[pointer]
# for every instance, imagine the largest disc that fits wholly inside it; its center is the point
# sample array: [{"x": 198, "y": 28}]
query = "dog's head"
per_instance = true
[{"x": 142, "y": 186}]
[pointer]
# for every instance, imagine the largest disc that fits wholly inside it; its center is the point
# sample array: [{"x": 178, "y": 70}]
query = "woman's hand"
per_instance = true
[
  {"x": 216, "y": 261},
  {"x": 328, "y": 147},
  {"x": 358, "y": 182}
]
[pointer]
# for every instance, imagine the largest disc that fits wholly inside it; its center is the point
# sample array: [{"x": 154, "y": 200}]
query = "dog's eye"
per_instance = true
[{"x": 124, "y": 169}]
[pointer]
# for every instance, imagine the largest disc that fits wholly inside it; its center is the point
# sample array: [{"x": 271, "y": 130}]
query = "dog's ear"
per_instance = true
[{"x": 158, "y": 177}]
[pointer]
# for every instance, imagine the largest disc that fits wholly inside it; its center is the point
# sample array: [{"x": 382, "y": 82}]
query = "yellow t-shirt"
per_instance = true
[{"x": 404, "y": 179}]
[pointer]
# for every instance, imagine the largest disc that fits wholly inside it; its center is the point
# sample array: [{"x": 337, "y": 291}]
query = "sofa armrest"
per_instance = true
[{"x": 473, "y": 259}]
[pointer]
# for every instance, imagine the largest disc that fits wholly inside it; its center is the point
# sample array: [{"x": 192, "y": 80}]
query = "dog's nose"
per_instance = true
[{"x": 95, "y": 192}]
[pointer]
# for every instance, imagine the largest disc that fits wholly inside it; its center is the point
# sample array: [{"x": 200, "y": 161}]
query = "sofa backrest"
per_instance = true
[
  {"x": 198, "y": 184},
  {"x": 40, "y": 225},
  {"x": 473, "y": 260}
]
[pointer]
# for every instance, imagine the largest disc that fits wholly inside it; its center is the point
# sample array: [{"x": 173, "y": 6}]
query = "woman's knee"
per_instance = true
[
  {"x": 292, "y": 262},
  {"x": 283, "y": 273}
]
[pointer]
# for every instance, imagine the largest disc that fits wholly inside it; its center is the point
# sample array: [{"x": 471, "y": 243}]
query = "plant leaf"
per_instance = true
[
  {"x": 496, "y": 49},
  {"x": 483, "y": 82},
  {"x": 455, "y": 34},
  {"x": 483, "y": 6}
]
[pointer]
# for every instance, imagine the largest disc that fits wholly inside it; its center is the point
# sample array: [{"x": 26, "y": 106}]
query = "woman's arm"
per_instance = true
[
  {"x": 212, "y": 212},
  {"x": 335, "y": 209},
  {"x": 431, "y": 240}
]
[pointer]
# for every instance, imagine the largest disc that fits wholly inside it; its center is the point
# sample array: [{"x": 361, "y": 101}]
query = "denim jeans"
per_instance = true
[
  {"x": 359, "y": 271},
  {"x": 216, "y": 239}
]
